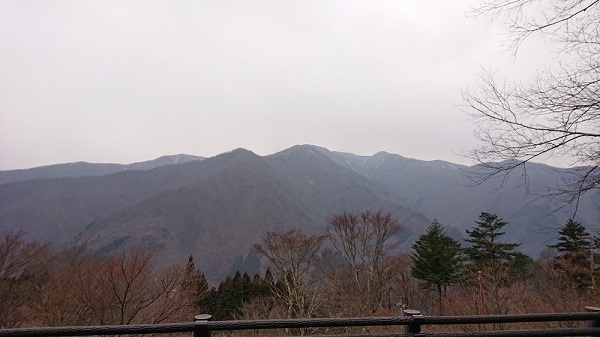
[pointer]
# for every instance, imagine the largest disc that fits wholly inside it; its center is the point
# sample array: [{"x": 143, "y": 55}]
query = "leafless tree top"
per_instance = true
[{"x": 558, "y": 113}]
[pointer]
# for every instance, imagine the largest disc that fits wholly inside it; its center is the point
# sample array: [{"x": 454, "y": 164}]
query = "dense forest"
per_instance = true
[{"x": 351, "y": 269}]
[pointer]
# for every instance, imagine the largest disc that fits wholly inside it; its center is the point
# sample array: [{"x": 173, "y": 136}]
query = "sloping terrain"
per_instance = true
[
  {"x": 216, "y": 208},
  {"x": 82, "y": 169},
  {"x": 216, "y": 218},
  {"x": 442, "y": 190}
]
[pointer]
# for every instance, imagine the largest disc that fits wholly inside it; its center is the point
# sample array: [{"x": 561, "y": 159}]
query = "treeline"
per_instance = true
[
  {"x": 353, "y": 268},
  {"x": 42, "y": 286}
]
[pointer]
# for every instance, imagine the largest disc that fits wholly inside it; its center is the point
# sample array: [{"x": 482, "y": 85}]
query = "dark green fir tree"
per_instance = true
[
  {"x": 489, "y": 254},
  {"x": 574, "y": 260},
  {"x": 437, "y": 259},
  {"x": 573, "y": 238}
]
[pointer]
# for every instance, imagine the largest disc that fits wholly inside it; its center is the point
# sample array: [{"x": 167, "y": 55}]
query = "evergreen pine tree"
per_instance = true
[
  {"x": 573, "y": 263},
  {"x": 573, "y": 238},
  {"x": 211, "y": 304},
  {"x": 194, "y": 285},
  {"x": 488, "y": 253},
  {"x": 437, "y": 259},
  {"x": 226, "y": 302},
  {"x": 224, "y": 305}
]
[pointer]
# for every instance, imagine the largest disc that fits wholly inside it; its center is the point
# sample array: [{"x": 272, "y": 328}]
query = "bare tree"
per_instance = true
[
  {"x": 294, "y": 257},
  {"x": 123, "y": 288},
  {"x": 22, "y": 270},
  {"x": 366, "y": 242},
  {"x": 60, "y": 301},
  {"x": 558, "y": 114}
]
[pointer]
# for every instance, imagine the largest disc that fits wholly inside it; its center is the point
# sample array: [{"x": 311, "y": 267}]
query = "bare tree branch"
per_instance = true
[{"x": 557, "y": 114}]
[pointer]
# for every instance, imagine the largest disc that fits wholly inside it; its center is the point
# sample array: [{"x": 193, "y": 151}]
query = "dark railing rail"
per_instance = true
[{"x": 412, "y": 321}]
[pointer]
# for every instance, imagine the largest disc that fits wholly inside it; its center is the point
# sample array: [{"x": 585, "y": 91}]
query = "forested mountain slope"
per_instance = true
[{"x": 216, "y": 208}]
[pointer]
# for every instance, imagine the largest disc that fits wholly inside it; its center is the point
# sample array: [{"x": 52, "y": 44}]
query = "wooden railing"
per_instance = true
[{"x": 412, "y": 321}]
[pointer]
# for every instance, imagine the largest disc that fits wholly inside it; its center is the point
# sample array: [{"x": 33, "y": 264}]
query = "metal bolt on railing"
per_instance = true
[
  {"x": 201, "y": 329},
  {"x": 415, "y": 326},
  {"x": 593, "y": 323}
]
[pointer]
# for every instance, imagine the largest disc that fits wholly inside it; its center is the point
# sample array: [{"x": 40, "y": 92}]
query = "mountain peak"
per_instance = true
[
  {"x": 237, "y": 153},
  {"x": 382, "y": 154},
  {"x": 220, "y": 205},
  {"x": 303, "y": 148}
]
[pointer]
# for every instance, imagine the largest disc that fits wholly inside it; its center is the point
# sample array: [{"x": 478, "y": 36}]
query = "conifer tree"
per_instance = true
[
  {"x": 573, "y": 238},
  {"x": 228, "y": 300},
  {"x": 437, "y": 259},
  {"x": 488, "y": 253},
  {"x": 573, "y": 263},
  {"x": 486, "y": 247},
  {"x": 194, "y": 285}
]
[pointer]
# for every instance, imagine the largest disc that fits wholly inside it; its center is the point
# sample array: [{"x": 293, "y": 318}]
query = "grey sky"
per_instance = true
[{"x": 125, "y": 81}]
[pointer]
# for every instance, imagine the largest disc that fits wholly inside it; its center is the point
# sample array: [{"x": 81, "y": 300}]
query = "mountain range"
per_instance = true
[{"x": 216, "y": 208}]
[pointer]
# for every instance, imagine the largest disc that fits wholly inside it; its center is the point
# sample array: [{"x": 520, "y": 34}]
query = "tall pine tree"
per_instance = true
[
  {"x": 437, "y": 259},
  {"x": 194, "y": 286},
  {"x": 573, "y": 238},
  {"x": 488, "y": 253},
  {"x": 573, "y": 262}
]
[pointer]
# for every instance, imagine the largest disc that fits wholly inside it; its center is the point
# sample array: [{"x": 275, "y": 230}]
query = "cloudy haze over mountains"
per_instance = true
[
  {"x": 122, "y": 81},
  {"x": 216, "y": 208},
  {"x": 230, "y": 87}
]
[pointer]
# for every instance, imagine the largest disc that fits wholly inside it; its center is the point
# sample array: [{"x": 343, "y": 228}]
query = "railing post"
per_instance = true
[
  {"x": 201, "y": 326},
  {"x": 594, "y": 323},
  {"x": 417, "y": 318}
]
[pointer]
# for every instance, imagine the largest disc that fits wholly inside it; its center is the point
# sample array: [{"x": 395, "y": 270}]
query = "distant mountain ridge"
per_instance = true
[
  {"x": 216, "y": 208},
  {"x": 82, "y": 169}
]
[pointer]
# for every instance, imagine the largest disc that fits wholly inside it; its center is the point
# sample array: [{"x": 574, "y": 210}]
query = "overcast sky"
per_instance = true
[{"x": 125, "y": 81}]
